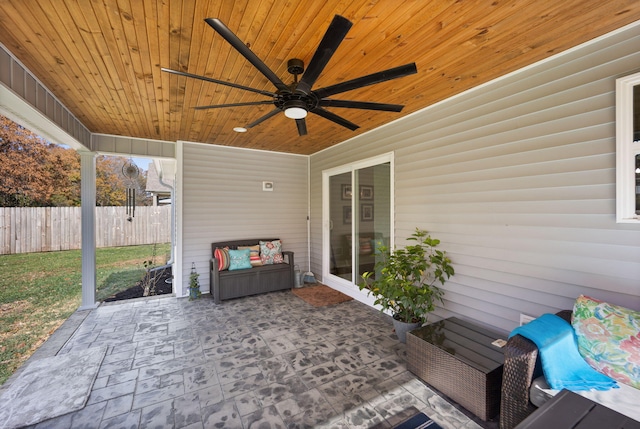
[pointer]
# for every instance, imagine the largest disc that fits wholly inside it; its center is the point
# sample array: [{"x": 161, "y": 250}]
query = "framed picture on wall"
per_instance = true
[
  {"x": 366, "y": 212},
  {"x": 346, "y": 214},
  {"x": 366, "y": 192},
  {"x": 346, "y": 192}
]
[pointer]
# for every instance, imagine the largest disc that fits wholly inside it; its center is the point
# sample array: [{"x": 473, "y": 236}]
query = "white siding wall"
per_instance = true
[
  {"x": 222, "y": 199},
  {"x": 517, "y": 178}
]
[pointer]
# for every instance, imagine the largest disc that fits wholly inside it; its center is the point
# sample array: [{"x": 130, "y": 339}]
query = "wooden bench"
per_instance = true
[{"x": 251, "y": 281}]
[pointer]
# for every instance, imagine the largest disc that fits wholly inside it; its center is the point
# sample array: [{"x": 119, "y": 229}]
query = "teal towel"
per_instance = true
[{"x": 562, "y": 364}]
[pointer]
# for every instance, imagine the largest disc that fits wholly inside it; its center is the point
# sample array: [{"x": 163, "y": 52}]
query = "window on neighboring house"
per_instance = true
[{"x": 628, "y": 149}]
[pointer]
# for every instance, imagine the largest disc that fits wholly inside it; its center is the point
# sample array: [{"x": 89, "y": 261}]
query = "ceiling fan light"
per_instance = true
[
  {"x": 240, "y": 129},
  {"x": 295, "y": 112},
  {"x": 295, "y": 109}
]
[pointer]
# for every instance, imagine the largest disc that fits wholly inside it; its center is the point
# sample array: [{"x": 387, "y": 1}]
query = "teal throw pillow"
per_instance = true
[{"x": 239, "y": 259}]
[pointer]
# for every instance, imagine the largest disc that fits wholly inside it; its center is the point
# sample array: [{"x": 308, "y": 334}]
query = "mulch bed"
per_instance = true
[{"x": 160, "y": 286}]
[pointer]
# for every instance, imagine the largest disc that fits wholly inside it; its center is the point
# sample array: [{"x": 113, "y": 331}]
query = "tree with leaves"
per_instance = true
[
  {"x": 64, "y": 167},
  {"x": 37, "y": 173},
  {"x": 34, "y": 172},
  {"x": 111, "y": 184}
]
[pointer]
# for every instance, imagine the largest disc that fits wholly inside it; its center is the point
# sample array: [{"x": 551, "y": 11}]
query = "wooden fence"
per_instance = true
[{"x": 47, "y": 229}]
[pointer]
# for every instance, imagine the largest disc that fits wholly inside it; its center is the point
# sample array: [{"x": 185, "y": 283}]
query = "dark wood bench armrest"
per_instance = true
[{"x": 521, "y": 367}]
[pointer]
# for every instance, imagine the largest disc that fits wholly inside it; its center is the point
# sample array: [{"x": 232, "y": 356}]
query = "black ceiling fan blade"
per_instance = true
[
  {"x": 220, "y": 82},
  {"x": 302, "y": 127},
  {"x": 371, "y": 79},
  {"x": 335, "y": 118},
  {"x": 263, "y": 118},
  {"x": 249, "y": 103},
  {"x": 332, "y": 38},
  {"x": 349, "y": 104},
  {"x": 239, "y": 46}
]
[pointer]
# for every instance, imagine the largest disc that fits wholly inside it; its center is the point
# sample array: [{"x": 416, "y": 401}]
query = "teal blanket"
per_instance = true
[{"x": 562, "y": 364}]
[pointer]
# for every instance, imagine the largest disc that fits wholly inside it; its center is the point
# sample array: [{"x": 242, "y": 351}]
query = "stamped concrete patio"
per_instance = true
[{"x": 268, "y": 361}]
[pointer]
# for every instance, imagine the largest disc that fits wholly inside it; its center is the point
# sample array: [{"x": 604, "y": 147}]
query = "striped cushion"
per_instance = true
[
  {"x": 254, "y": 255},
  {"x": 222, "y": 255}
]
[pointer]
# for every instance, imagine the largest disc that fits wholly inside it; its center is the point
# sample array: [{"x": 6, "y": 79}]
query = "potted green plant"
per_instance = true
[
  {"x": 194, "y": 284},
  {"x": 404, "y": 281}
]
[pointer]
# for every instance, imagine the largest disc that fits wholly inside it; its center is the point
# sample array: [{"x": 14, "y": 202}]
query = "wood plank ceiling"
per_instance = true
[{"x": 102, "y": 58}]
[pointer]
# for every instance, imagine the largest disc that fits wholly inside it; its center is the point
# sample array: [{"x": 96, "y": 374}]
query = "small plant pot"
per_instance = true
[
  {"x": 402, "y": 328},
  {"x": 194, "y": 293},
  {"x": 194, "y": 286}
]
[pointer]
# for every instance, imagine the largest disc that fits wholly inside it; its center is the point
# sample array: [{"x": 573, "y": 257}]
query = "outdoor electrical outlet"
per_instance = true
[{"x": 525, "y": 318}]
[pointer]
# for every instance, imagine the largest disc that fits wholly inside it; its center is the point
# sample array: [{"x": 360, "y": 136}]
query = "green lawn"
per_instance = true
[{"x": 39, "y": 291}]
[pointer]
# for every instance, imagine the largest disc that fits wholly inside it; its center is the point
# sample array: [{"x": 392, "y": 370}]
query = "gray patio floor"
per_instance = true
[{"x": 268, "y": 361}]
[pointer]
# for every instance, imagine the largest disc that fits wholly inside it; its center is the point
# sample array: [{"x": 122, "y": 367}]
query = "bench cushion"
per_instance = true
[
  {"x": 609, "y": 338},
  {"x": 624, "y": 400}
]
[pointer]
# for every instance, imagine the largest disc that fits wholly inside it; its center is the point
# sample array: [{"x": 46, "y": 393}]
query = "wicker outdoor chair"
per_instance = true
[{"x": 521, "y": 367}]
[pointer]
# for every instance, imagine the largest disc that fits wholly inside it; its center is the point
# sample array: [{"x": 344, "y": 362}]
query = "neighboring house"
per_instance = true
[
  {"x": 160, "y": 191},
  {"x": 517, "y": 177}
]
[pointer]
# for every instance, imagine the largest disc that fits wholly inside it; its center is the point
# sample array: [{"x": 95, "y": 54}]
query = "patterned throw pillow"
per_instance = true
[
  {"x": 271, "y": 252},
  {"x": 222, "y": 255},
  {"x": 239, "y": 259},
  {"x": 609, "y": 338},
  {"x": 254, "y": 254}
]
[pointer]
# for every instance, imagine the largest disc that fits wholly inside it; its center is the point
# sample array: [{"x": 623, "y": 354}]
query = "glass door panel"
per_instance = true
[
  {"x": 359, "y": 219},
  {"x": 340, "y": 225},
  {"x": 373, "y": 226}
]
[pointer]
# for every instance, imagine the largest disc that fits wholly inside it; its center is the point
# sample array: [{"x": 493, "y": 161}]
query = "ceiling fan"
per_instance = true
[{"x": 298, "y": 99}]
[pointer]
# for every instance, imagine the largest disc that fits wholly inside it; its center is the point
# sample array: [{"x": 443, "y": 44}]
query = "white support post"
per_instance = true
[{"x": 88, "y": 198}]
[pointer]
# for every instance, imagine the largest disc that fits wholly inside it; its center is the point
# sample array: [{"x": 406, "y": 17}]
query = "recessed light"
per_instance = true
[{"x": 240, "y": 129}]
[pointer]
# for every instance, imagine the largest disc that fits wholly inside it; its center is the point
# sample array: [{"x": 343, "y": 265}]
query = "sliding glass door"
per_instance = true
[
  {"x": 358, "y": 217},
  {"x": 341, "y": 209}
]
